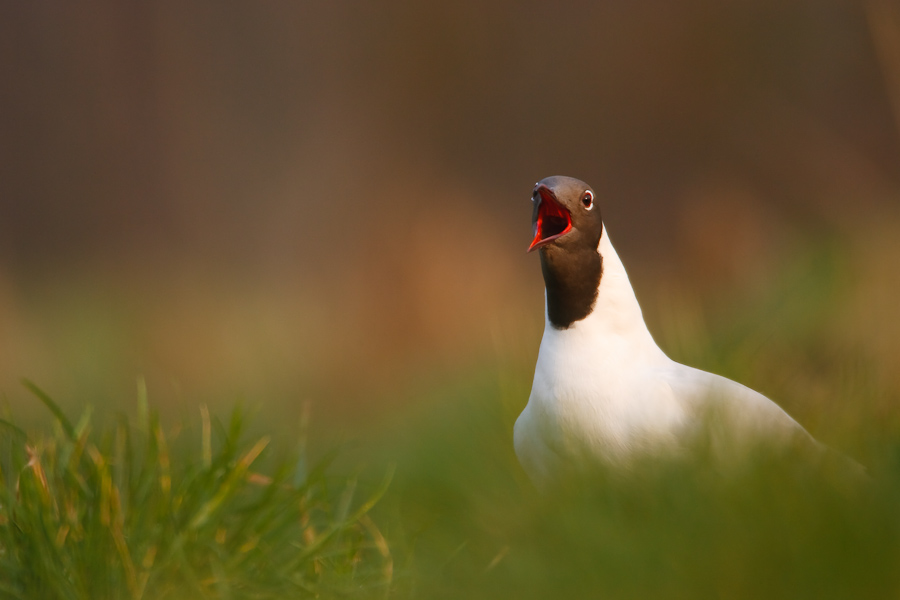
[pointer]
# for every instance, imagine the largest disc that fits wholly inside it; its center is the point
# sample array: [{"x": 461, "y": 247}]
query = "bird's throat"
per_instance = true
[{"x": 572, "y": 278}]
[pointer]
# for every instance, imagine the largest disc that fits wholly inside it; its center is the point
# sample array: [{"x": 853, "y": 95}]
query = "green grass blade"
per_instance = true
[
  {"x": 54, "y": 408},
  {"x": 14, "y": 429}
]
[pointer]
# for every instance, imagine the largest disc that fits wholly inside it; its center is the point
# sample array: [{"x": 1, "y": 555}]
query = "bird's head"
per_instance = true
[
  {"x": 567, "y": 229},
  {"x": 565, "y": 214}
]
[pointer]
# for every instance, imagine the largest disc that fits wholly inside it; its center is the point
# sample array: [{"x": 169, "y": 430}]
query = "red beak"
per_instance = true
[{"x": 552, "y": 221}]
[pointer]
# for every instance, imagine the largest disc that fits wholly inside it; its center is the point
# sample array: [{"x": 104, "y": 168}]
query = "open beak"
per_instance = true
[{"x": 551, "y": 219}]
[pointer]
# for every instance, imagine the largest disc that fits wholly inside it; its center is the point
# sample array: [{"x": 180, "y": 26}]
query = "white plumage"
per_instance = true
[{"x": 603, "y": 388}]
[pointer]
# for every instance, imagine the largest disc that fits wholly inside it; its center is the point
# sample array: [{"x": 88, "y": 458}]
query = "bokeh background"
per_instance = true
[{"x": 329, "y": 201}]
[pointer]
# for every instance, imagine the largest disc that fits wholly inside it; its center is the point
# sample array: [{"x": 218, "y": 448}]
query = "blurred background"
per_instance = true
[{"x": 329, "y": 201}]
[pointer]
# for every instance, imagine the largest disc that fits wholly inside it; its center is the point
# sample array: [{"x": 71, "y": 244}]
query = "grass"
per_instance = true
[
  {"x": 134, "y": 512},
  {"x": 205, "y": 510},
  {"x": 465, "y": 523}
]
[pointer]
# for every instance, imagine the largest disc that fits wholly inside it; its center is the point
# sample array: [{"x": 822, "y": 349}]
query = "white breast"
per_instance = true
[
  {"x": 609, "y": 405},
  {"x": 603, "y": 390}
]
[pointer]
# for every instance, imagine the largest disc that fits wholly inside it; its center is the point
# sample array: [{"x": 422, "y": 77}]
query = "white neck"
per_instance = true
[{"x": 616, "y": 319}]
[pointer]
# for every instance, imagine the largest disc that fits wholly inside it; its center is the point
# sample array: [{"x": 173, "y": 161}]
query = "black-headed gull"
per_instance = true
[{"x": 602, "y": 387}]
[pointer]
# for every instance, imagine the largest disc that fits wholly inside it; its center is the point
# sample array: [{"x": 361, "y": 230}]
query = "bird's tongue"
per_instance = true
[{"x": 552, "y": 221}]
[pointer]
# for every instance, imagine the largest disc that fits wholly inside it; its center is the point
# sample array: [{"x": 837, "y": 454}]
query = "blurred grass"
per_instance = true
[
  {"x": 133, "y": 511},
  {"x": 464, "y": 522},
  {"x": 207, "y": 510}
]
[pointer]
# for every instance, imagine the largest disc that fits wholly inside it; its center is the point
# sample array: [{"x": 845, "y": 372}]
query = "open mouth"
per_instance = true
[{"x": 553, "y": 220}]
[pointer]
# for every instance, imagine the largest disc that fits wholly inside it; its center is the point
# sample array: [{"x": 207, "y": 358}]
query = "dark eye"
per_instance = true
[
  {"x": 588, "y": 199},
  {"x": 534, "y": 192}
]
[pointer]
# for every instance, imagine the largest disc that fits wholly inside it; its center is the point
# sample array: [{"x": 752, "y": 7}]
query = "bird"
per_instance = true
[{"x": 603, "y": 391}]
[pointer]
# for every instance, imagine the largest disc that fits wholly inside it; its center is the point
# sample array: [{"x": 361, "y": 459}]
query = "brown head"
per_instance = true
[{"x": 567, "y": 230}]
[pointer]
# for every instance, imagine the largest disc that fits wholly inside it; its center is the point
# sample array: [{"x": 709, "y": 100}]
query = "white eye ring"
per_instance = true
[
  {"x": 534, "y": 191},
  {"x": 587, "y": 199}
]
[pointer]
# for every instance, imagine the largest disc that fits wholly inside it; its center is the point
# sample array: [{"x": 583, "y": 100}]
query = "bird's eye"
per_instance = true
[
  {"x": 587, "y": 199},
  {"x": 534, "y": 192}
]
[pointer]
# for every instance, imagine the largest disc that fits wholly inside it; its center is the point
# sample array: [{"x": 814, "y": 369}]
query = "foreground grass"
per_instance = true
[
  {"x": 131, "y": 512},
  {"x": 464, "y": 523}
]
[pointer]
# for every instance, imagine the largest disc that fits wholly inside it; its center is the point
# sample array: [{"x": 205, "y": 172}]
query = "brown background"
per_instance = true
[{"x": 329, "y": 199}]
